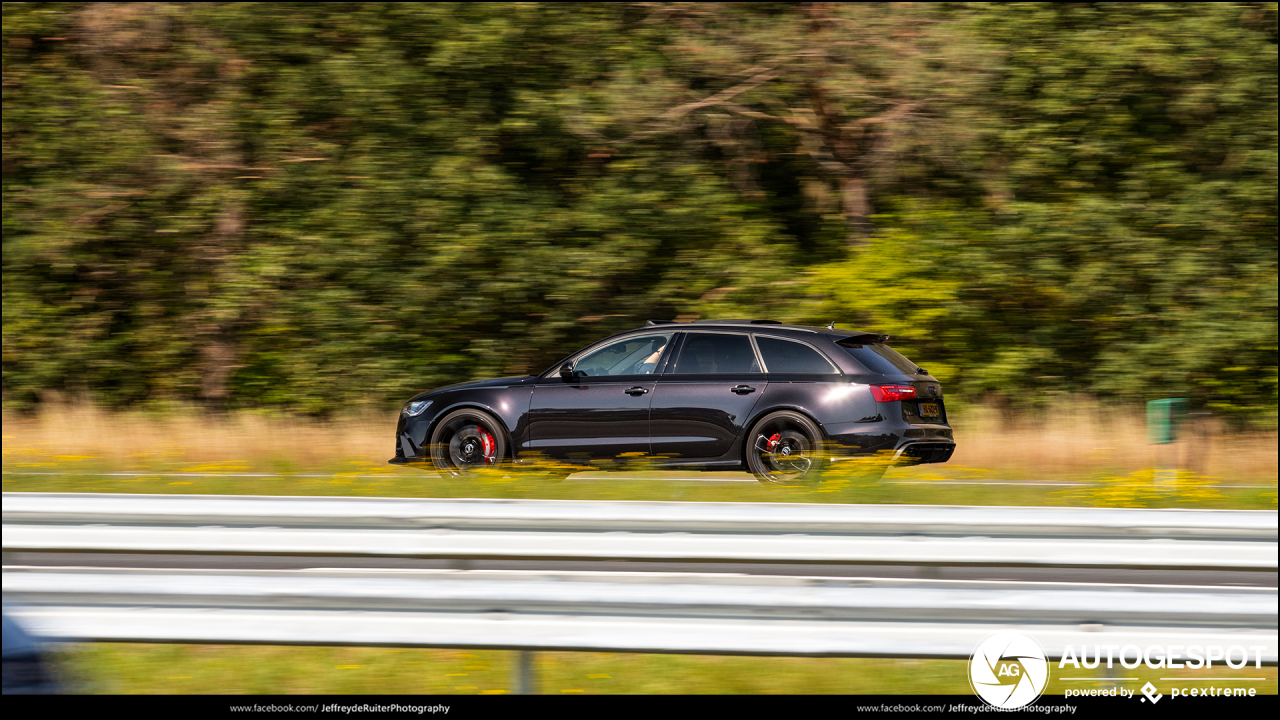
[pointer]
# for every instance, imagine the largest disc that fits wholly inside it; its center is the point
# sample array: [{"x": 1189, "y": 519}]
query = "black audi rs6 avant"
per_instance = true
[{"x": 778, "y": 400}]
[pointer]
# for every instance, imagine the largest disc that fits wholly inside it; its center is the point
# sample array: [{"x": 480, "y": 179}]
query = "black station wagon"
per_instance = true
[{"x": 778, "y": 400}]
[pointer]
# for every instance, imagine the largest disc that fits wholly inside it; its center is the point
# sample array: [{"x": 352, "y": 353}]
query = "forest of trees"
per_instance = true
[{"x": 306, "y": 206}]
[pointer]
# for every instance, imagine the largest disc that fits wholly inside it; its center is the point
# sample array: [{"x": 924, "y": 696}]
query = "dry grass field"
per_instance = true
[
  {"x": 184, "y": 436},
  {"x": 1080, "y": 438},
  {"x": 1071, "y": 439}
]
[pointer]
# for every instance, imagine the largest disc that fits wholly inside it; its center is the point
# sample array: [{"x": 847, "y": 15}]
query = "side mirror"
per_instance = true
[{"x": 566, "y": 371}]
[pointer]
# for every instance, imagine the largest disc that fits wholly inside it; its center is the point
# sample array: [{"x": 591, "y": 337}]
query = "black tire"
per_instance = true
[
  {"x": 459, "y": 444},
  {"x": 785, "y": 448}
]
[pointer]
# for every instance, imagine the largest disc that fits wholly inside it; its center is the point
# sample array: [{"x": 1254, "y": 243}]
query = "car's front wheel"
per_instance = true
[
  {"x": 467, "y": 440},
  {"x": 785, "y": 448}
]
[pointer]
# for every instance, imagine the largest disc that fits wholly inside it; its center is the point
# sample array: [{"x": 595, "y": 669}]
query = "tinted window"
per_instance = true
[
  {"x": 879, "y": 358},
  {"x": 714, "y": 354},
  {"x": 785, "y": 356},
  {"x": 633, "y": 356}
]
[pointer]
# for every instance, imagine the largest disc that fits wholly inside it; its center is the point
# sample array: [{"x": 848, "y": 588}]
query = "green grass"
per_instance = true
[
  {"x": 119, "y": 668},
  {"x": 921, "y": 485}
]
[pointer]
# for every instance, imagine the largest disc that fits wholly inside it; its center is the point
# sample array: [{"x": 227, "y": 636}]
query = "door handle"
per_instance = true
[
  {"x": 635, "y": 391},
  {"x": 743, "y": 389}
]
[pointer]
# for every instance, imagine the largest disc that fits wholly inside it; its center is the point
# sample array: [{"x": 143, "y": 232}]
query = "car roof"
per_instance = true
[
  {"x": 767, "y": 326},
  {"x": 757, "y": 325},
  {"x": 754, "y": 324}
]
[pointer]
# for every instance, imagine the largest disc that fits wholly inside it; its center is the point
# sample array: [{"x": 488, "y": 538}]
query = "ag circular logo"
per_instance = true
[{"x": 1008, "y": 670}]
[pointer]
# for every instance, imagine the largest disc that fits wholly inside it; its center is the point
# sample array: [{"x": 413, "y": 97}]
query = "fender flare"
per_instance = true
[{"x": 472, "y": 405}]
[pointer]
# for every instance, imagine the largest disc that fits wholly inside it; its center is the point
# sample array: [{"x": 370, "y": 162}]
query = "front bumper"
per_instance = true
[{"x": 406, "y": 451}]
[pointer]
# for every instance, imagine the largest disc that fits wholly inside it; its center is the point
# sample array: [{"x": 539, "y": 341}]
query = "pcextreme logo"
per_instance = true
[{"x": 1008, "y": 670}]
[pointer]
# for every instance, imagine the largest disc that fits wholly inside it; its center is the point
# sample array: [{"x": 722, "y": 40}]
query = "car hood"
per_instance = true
[{"x": 494, "y": 382}]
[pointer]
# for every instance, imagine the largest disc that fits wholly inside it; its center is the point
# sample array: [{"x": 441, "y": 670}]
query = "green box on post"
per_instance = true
[{"x": 1163, "y": 417}]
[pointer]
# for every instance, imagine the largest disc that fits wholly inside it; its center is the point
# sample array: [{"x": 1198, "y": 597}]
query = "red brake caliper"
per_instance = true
[
  {"x": 773, "y": 441},
  {"x": 490, "y": 447}
]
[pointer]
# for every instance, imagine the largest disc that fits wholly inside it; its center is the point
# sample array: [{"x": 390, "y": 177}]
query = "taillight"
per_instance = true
[{"x": 892, "y": 393}]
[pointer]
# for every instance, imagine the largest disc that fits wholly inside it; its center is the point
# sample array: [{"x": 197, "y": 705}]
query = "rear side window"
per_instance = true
[
  {"x": 785, "y": 356},
  {"x": 882, "y": 359},
  {"x": 716, "y": 354}
]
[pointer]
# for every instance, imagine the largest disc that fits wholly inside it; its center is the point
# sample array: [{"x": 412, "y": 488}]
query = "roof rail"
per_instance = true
[
  {"x": 739, "y": 322},
  {"x": 651, "y": 323}
]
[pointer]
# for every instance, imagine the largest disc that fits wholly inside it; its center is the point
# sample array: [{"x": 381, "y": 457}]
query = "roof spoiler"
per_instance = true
[{"x": 863, "y": 339}]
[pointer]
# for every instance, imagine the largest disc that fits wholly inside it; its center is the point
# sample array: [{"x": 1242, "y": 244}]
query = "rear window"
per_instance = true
[
  {"x": 785, "y": 356},
  {"x": 882, "y": 359}
]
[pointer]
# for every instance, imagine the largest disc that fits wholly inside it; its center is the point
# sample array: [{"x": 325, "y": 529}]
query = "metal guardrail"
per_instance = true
[
  {"x": 232, "y": 510},
  {"x": 652, "y": 531},
  {"x": 633, "y": 612},
  {"x": 643, "y": 612}
]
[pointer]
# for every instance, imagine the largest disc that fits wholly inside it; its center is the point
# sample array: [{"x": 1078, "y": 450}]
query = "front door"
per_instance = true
[{"x": 603, "y": 411}]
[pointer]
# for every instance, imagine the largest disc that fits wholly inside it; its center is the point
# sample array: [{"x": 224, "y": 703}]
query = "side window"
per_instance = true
[
  {"x": 633, "y": 356},
  {"x": 717, "y": 354},
  {"x": 785, "y": 356}
]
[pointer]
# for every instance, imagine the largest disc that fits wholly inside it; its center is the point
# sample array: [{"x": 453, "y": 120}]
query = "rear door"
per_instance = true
[{"x": 701, "y": 403}]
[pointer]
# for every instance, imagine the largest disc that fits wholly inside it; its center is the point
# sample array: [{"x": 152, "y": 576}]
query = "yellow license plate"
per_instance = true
[{"x": 929, "y": 410}]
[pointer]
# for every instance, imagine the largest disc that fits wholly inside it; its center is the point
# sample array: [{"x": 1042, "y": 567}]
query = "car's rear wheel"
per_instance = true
[
  {"x": 465, "y": 441},
  {"x": 785, "y": 448}
]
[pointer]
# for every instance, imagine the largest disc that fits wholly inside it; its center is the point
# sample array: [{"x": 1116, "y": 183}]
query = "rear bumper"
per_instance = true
[
  {"x": 919, "y": 453},
  {"x": 906, "y": 444}
]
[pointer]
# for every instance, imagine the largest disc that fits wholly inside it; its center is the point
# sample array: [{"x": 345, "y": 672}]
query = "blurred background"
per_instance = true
[
  {"x": 238, "y": 236},
  {"x": 305, "y": 207}
]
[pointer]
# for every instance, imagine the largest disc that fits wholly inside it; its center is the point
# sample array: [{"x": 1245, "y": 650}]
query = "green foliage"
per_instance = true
[
  {"x": 306, "y": 206},
  {"x": 1128, "y": 246}
]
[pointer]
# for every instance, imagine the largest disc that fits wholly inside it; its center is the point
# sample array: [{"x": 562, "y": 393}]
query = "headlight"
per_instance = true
[{"x": 415, "y": 408}]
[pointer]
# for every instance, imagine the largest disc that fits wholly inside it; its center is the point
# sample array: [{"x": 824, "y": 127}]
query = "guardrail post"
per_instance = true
[{"x": 522, "y": 673}]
